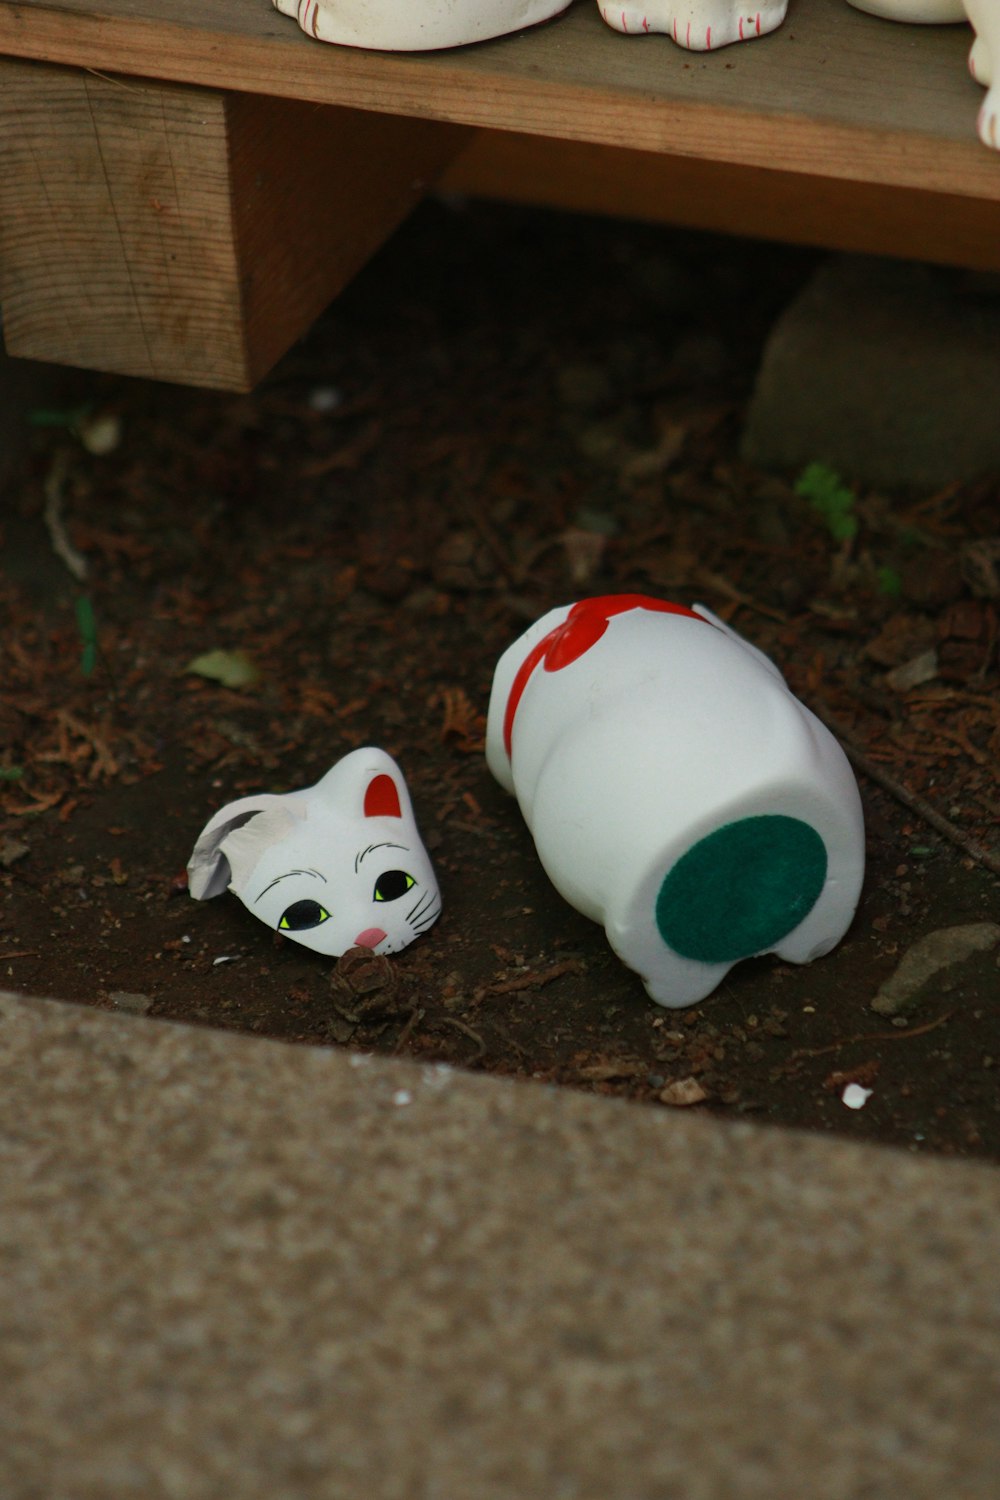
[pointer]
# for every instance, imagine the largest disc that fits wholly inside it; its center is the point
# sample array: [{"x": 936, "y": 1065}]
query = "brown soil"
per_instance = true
[{"x": 506, "y": 410}]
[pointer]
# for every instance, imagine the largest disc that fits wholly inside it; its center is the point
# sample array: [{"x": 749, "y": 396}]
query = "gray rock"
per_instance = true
[
  {"x": 888, "y": 371},
  {"x": 925, "y": 960}
]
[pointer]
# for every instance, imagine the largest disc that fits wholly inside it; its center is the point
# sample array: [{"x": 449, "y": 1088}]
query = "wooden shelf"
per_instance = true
[
  {"x": 837, "y": 129},
  {"x": 833, "y": 92}
]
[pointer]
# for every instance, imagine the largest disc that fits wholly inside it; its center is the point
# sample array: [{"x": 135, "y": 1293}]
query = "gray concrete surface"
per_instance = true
[
  {"x": 231, "y": 1268},
  {"x": 886, "y": 370}
]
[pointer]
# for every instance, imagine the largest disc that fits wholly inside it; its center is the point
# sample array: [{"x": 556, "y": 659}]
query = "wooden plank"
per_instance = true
[
  {"x": 758, "y": 202},
  {"x": 186, "y": 234},
  {"x": 115, "y": 240},
  {"x": 315, "y": 191},
  {"x": 833, "y": 94}
]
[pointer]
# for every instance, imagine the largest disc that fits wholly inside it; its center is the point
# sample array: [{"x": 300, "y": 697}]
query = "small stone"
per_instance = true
[
  {"x": 11, "y": 850},
  {"x": 100, "y": 433},
  {"x": 913, "y": 673},
  {"x": 682, "y": 1093},
  {"x": 132, "y": 1003},
  {"x": 927, "y": 957}
]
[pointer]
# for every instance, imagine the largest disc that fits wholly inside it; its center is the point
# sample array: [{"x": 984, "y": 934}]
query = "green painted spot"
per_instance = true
[{"x": 741, "y": 889}]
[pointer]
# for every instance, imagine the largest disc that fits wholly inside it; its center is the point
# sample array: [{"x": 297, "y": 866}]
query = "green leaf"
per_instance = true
[
  {"x": 69, "y": 418},
  {"x": 11, "y": 773},
  {"x": 826, "y": 494},
  {"x": 233, "y": 669}
]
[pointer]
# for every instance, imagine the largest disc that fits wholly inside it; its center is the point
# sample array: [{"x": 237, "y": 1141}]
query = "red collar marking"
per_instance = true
[{"x": 582, "y": 628}]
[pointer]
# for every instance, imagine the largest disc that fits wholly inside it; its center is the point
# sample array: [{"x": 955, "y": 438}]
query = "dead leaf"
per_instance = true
[{"x": 233, "y": 669}]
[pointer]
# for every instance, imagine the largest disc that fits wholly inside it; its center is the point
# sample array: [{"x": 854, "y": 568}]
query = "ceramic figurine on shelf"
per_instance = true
[
  {"x": 983, "y": 59},
  {"x": 921, "y": 12},
  {"x": 984, "y": 65},
  {"x": 698, "y": 25},
  {"x": 676, "y": 790},
  {"x": 338, "y": 865},
  {"x": 415, "y": 25}
]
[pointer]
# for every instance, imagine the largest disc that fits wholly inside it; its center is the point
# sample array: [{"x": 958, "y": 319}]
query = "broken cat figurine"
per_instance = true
[
  {"x": 698, "y": 25},
  {"x": 676, "y": 790},
  {"x": 415, "y": 25},
  {"x": 335, "y": 866}
]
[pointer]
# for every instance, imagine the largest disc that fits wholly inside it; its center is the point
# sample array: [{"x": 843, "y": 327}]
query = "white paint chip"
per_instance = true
[{"x": 855, "y": 1097}]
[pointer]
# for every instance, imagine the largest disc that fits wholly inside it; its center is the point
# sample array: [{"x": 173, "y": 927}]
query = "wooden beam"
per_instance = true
[
  {"x": 762, "y": 203},
  {"x": 187, "y": 234}
]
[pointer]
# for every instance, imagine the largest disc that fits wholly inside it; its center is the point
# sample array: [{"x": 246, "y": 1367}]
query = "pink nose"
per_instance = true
[{"x": 370, "y": 938}]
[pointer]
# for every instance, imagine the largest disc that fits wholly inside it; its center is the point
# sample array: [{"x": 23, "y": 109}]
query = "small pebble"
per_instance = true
[
  {"x": 325, "y": 398},
  {"x": 132, "y": 1004}
]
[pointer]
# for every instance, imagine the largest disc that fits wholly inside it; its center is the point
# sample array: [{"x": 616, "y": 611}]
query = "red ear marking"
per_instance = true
[{"x": 382, "y": 799}]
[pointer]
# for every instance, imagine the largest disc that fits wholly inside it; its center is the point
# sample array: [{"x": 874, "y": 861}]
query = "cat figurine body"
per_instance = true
[
  {"x": 334, "y": 866},
  {"x": 415, "y": 25},
  {"x": 698, "y": 25},
  {"x": 676, "y": 790}
]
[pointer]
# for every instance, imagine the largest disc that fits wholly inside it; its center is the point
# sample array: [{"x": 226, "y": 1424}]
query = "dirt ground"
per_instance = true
[{"x": 507, "y": 410}]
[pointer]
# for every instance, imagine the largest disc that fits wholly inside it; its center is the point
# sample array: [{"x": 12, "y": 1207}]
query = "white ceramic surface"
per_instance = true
[
  {"x": 920, "y": 12},
  {"x": 676, "y": 790},
  {"x": 698, "y": 25},
  {"x": 415, "y": 25},
  {"x": 983, "y": 65},
  {"x": 335, "y": 866}
]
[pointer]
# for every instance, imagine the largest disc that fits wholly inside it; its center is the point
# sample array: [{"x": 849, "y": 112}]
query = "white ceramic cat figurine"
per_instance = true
[
  {"x": 984, "y": 59},
  {"x": 676, "y": 790},
  {"x": 920, "y": 12},
  {"x": 335, "y": 866},
  {"x": 984, "y": 65},
  {"x": 698, "y": 25},
  {"x": 415, "y": 25}
]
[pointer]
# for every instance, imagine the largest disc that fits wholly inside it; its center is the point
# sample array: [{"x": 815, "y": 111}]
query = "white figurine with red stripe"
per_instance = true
[
  {"x": 698, "y": 25},
  {"x": 676, "y": 790}
]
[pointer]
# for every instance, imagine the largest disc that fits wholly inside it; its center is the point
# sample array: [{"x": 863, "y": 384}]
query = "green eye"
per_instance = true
[
  {"x": 392, "y": 885},
  {"x": 302, "y": 915}
]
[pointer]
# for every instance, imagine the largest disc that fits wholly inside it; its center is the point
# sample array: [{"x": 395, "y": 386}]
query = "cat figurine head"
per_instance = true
[{"x": 335, "y": 866}]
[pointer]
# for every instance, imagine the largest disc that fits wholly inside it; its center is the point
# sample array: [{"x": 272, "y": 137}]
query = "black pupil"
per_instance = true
[
  {"x": 302, "y": 914},
  {"x": 392, "y": 885}
]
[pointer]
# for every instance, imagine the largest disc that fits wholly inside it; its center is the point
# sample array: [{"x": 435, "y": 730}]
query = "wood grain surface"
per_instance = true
[
  {"x": 834, "y": 93},
  {"x": 188, "y": 234}
]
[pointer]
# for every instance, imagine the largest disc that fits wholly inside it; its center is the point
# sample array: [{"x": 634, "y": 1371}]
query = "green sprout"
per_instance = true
[{"x": 827, "y": 494}]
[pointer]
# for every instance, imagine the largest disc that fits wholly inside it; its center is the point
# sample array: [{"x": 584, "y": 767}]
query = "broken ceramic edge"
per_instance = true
[
  {"x": 334, "y": 866},
  {"x": 415, "y": 25},
  {"x": 698, "y": 25},
  {"x": 677, "y": 792}
]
